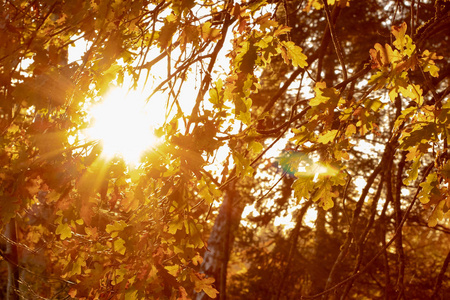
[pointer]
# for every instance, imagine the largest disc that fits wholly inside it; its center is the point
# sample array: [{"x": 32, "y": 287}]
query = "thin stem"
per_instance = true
[{"x": 335, "y": 40}]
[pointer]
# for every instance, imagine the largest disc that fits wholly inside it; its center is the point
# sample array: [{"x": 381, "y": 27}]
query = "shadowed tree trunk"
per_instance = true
[
  {"x": 12, "y": 255},
  {"x": 319, "y": 276},
  {"x": 220, "y": 241}
]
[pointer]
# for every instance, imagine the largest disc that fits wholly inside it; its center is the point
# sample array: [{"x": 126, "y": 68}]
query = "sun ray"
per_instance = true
[{"x": 124, "y": 125}]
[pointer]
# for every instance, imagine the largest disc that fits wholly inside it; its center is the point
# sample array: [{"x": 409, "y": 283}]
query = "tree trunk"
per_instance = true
[
  {"x": 220, "y": 242},
  {"x": 320, "y": 272},
  {"x": 13, "y": 261}
]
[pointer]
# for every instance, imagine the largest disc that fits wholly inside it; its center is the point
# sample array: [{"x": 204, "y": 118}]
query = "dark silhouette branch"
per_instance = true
[
  {"x": 379, "y": 253},
  {"x": 440, "y": 278},
  {"x": 337, "y": 46}
]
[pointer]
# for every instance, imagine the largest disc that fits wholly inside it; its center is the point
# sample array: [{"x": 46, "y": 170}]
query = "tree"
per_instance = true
[{"x": 78, "y": 225}]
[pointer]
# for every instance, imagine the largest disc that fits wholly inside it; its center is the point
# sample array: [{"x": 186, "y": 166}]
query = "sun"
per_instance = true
[{"x": 124, "y": 124}]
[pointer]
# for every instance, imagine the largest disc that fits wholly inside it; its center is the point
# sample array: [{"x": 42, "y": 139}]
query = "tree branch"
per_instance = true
[
  {"x": 397, "y": 231},
  {"x": 440, "y": 278},
  {"x": 336, "y": 43}
]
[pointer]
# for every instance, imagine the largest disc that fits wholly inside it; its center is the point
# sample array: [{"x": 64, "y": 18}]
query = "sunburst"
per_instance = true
[{"x": 124, "y": 124}]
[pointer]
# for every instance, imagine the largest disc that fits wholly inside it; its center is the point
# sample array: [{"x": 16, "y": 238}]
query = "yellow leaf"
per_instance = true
[
  {"x": 113, "y": 229},
  {"x": 119, "y": 275},
  {"x": 131, "y": 295},
  {"x": 351, "y": 130},
  {"x": 173, "y": 270},
  {"x": 295, "y": 53},
  {"x": 414, "y": 92},
  {"x": 204, "y": 284},
  {"x": 282, "y": 29},
  {"x": 119, "y": 246},
  {"x": 176, "y": 224},
  {"x": 438, "y": 214},
  {"x": 72, "y": 292},
  {"x": 64, "y": 231},
  {"x": 325, "y": 95},
  {"x": 76, "y": 268},
  {"x": 303, "y": 185},
  {"x": 183, "y": 293},
  {"x": 255, "y": 147},
  {"x": 341, "y": 155},
  {"x": 399, "y": 33},
  {"x": 208, "y": 33},
  {"x": 92, "y": 232},
  {"x": 327, "y": 137},
  {"x": 197, "y": 260}
]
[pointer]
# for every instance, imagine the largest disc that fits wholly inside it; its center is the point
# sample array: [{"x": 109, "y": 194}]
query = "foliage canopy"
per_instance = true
[{"x": 355, "y": 91}]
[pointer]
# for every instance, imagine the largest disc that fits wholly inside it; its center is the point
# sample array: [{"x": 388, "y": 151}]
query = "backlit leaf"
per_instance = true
[
  {"x": 295, "y": 54},
  {"x": 302, "y": 186},
  {"x": 208, "y": 33},
  {"x": 204, "y": 284},
  {"x": 64, "y": 231},
  {"x": 131, "y": 295},
  {"x": 119, "y": 246},
  {"x": 327, "y": 137}
]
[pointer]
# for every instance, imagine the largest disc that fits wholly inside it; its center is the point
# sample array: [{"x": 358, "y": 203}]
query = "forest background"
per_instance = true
[{"x": 303, "y": 152}]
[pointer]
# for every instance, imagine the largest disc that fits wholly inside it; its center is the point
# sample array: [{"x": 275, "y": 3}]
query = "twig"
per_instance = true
[
  {"x": 206, "y": 81},
  {"x": 360, "y": 73},
  {"x": 397, "y": 231},
  {"x": 291, "y": 119},
  {"x": 335, "y": 40}
]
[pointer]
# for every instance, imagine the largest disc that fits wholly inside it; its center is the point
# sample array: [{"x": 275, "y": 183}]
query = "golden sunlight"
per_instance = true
[{"x": 124, "y": 123}]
